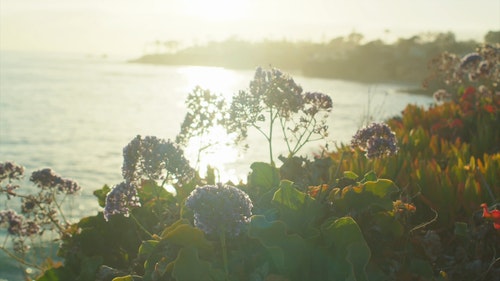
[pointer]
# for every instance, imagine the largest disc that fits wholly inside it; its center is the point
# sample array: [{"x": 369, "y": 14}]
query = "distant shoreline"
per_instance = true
[
  {"x": 344, "y": 58},
  {"x": 405, "y": 61},
  {"x": 413, "y": 87}
]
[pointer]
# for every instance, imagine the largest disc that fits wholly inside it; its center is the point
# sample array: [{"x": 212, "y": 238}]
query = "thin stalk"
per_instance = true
[
  {"x": 299, "y": 140},
  {"x": 270, "y": 136},
  {"x": 141, "y": 226},
  {"x": 5, "y": 241},
  {"x": 268, "y": 139},
  {"x": 424, "y": 224},
  {"x": 20, "y": 260},
  {"x": 222, "y": 237},
  {"x": 59, "y": 208},
  {"x": 299, "y": 145},
  {"x": 283, "y": 125}
]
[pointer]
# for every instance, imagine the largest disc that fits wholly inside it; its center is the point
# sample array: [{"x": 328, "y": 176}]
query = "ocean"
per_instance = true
[{"x": 75, "y": 113}]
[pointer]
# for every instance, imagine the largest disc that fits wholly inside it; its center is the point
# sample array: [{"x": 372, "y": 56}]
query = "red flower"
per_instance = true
[
  {"x": 456, "y": 123},
  {"x": 494, "y": 215},
  {"x": 489, "y": 108},
  {"x": 469, "y": 92},
  {"x": 314, "y": 191}
]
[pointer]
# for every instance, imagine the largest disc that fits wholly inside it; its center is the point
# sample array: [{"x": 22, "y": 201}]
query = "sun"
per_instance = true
[{"x": 216, "y": 10}]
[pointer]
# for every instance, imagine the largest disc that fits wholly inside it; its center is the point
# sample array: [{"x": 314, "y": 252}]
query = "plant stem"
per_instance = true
[
  {"x": 224, "y": 252},
  {"x": 141, "y": 226},
  {"x": 270, "y": 136},
  {"x": 19, "y": 260},
  {"x": 59, "y": 207},
  {"x": 283, "y": 126}
]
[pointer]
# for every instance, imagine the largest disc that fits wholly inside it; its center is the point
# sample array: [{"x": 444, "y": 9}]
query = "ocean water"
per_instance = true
[{"x": 75, "y": 113}]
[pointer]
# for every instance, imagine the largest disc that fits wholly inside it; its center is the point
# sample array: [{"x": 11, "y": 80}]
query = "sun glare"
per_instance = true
[
  {"x": 212, "y": 150},
  {"x": 217, "y": 79},
  {"x": 216, "y": 10}
]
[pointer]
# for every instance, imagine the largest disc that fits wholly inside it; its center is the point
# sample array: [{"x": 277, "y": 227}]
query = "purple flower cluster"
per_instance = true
[
  {"x": 10, "y": 171},
  {"x": 277, "y": 90},
  {"x": 148, "y": 158},
  {"x": 315, "y": 102},
  {"x": 220, "y": 208},
  {"x": 47, "y": 179},
  {"x": 17, "y": 224},
  {"x": 377, "y": 139},
  {"x": 121, "y": 199},
  {"x": 152, "y": 158}
]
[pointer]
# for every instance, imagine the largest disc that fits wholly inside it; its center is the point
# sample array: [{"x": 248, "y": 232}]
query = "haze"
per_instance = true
[{"x": 128, "y": 27}]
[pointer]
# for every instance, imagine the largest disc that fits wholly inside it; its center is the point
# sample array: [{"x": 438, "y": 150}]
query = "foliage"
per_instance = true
[
  {"x": 407, "y": 200},
  {"x": 448, "y": 164}
]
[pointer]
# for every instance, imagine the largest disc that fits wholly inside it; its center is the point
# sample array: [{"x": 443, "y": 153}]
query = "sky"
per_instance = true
[{"x": 130, "y": 27}]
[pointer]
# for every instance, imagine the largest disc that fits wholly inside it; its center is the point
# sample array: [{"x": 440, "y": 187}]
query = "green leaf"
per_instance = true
[
  {"x": 157, "y": 256},
  {"x": 289, "y": 197},
  {"x": 185, "y": 235},
  {"x": 89, "y": 268},
  {"x": 150, "y": 191},
  {"x": 188, "y": 266},
  {"x": 388, "y": 225},
  {"x": 297, "y": 209},
  {"x": 350, "y": 175},
  {"x": 289, "y": 252},
  {"x": 116, "y": 240},
  {"x": 173, "y": 226},
  {"x": 101, "y": 195},
  {"x": 147, "y": 247},
  {"x": 362, "y": 197},
  {"x": 358, "y": 255},
  {"x": 264, "y": 176},
  {"x": 370, "y": 176},
  {"x": 382, "y": 188},
  {"x": 349, "y": 247}
]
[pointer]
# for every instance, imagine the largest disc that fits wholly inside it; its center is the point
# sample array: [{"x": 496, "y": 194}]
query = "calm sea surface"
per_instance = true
[{"x": 75, "y": 113}]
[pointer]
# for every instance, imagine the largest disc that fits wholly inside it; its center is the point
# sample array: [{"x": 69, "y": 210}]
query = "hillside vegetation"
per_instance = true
[{"x": 340, "y": 58}]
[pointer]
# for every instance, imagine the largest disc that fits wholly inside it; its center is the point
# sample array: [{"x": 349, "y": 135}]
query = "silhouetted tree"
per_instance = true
[{"x": 492, "y": 37}]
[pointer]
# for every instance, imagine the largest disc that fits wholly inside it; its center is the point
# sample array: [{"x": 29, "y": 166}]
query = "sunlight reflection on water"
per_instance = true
[
  {"x": 218, "y": 79},
  {"x": 213, "y": 150}
]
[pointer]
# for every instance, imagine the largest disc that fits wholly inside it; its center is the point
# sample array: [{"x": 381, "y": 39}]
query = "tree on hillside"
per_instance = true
[{"x": 492, "y": 37}]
